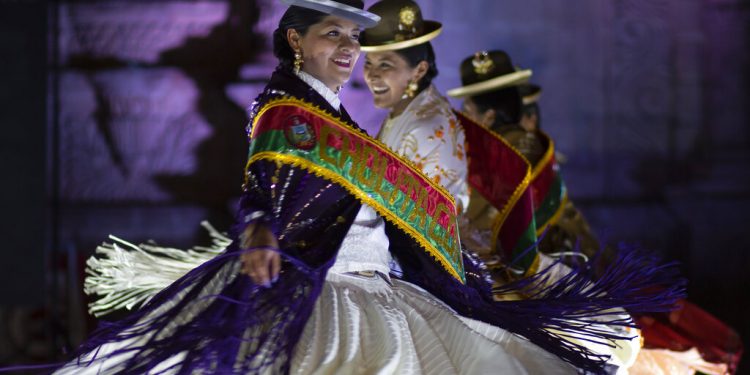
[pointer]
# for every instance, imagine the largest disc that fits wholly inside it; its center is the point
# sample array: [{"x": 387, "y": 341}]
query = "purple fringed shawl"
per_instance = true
[{"x": 222, "y": 323}]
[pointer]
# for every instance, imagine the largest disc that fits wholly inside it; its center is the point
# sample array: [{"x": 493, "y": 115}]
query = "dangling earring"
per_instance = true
[
  {"x": 297, "y": 62},
  {"x": 411, "y": 90}
]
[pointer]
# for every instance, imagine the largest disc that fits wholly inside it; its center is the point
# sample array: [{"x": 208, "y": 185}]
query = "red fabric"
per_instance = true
[
  {"x": 497, "y": 171},
  {"x": 688, "y": 327}
]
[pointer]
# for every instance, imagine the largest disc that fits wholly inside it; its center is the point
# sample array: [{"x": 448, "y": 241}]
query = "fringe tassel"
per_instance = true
[
  {"x": 124, "y": 275},
  {"x": 585, "y": 310}
]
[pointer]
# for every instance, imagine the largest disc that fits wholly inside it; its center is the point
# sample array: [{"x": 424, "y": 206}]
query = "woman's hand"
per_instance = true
[{"x": 261, "y": 265}]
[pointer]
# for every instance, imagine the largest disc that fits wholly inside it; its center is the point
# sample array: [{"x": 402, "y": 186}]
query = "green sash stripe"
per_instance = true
[
  {"x": 525, "y": 242},
  {"x": 552, "y": 203}
]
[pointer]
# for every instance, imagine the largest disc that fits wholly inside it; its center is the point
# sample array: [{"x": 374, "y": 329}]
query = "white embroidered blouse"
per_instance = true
[{"x": 429, "y": 134}]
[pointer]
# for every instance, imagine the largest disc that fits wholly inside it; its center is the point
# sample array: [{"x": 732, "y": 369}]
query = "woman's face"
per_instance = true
[
  {"x": 387, "y": 75},
  {"x": 330, "y": 48},
  {"x": 530, "y": 121},
  {"x": 471, "y": 110}
]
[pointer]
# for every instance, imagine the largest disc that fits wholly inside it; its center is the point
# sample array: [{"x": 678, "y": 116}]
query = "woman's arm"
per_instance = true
[{"x": 257, "y": 241}]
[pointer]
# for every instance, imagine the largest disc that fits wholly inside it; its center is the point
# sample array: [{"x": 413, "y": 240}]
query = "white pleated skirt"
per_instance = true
[{"x": 370, "y": 325}]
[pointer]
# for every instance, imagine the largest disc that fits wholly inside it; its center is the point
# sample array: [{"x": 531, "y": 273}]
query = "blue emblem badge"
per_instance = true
[{"x": 299, "y": 133}]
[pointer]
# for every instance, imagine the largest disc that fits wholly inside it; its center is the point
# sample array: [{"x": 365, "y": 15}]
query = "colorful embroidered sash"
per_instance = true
[
  {"x": 293, "y": 132},
  {"x": 548, "y": 189},
  {"x": 503, "y": 176}
]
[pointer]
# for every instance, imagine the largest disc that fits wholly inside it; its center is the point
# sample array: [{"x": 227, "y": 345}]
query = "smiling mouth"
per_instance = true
[
  {"x": 379, "y": 90},
  {"x": 344, "y": 63}
]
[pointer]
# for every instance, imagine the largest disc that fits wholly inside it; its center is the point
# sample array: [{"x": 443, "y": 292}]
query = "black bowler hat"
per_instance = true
[
  {"x": 348, "y": 9},
  {"x": 488, "y": 71},
  {"x": 401, "y": 26}
]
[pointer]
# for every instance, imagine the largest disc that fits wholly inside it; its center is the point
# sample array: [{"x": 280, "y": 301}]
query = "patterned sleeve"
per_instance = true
[
  {"x": 255, "y": 202},
  {"x": 437, "y": 147}
]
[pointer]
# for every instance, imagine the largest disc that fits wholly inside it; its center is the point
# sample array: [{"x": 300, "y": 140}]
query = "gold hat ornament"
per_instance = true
[
  {"x": 482, "y": 63},
  {"x": 487, "y": 71},
  {"x": 401, "y": 26}
]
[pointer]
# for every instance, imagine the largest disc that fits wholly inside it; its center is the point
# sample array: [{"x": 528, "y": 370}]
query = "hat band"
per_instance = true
[
  {"x": 499, "y": 82},
  {"x": 393, "y": 45},
  {"x": 530, "y": 99}
]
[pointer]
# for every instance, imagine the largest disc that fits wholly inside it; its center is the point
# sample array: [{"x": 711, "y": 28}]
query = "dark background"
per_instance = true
[{"x": 127, "y": 117}]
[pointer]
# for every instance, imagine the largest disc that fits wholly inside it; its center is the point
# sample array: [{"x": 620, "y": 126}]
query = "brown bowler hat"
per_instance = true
[
  {"x": 488, "y": 71},
  {"x": 401, "y": 26}
]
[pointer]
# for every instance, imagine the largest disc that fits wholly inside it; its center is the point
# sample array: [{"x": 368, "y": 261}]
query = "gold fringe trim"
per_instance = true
[
  {"x": 546, "y": 158},
  {"x": 534, "y": 268},
  {"x": 556, "y": 216}
]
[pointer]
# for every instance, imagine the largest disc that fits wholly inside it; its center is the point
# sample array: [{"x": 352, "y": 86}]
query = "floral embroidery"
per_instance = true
[
  {"x": 420, "y": 161},
  {"x": 409, "y": 145},
  {"x": 429, "y": 134},
  {"x": 459, "y": 151},
  {"x": 437, "y": 134},
  {"x": 450, "y": 174},
  {"x": 429, "y": 109}
]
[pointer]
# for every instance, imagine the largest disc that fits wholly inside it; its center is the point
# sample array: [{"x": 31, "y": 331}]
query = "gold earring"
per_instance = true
[
  {"x": 411, "y": 89},
  {"x": 297, "y": 62}
]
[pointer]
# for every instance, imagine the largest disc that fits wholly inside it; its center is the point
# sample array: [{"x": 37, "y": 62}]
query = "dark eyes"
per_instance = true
[
  {"x": 336, "y": 33},
  {"x": 382, "y": 65}
]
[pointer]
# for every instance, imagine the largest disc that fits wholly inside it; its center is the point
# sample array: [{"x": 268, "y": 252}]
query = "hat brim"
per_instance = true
[
  {"x": 533, "y": 96},
  {"x": 499, "y": 82},
  {"x": 432, "y": 28},
  {"x": 360, "y": 17}
]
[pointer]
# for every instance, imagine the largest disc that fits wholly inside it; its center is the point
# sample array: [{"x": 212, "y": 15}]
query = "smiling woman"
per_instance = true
[
  {"x": 399, "y": 69},
  {"x": 329, "y": 49},
  {"x": 388, "y": 75}
]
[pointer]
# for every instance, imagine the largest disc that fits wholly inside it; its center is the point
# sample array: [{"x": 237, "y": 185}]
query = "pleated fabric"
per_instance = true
[{"x": 376, "y": 325}]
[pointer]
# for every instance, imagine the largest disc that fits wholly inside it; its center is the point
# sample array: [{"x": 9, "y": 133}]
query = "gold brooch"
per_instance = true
[
  {"x": 482, "y": 63},
  {"x": 407, "y": 16}
]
